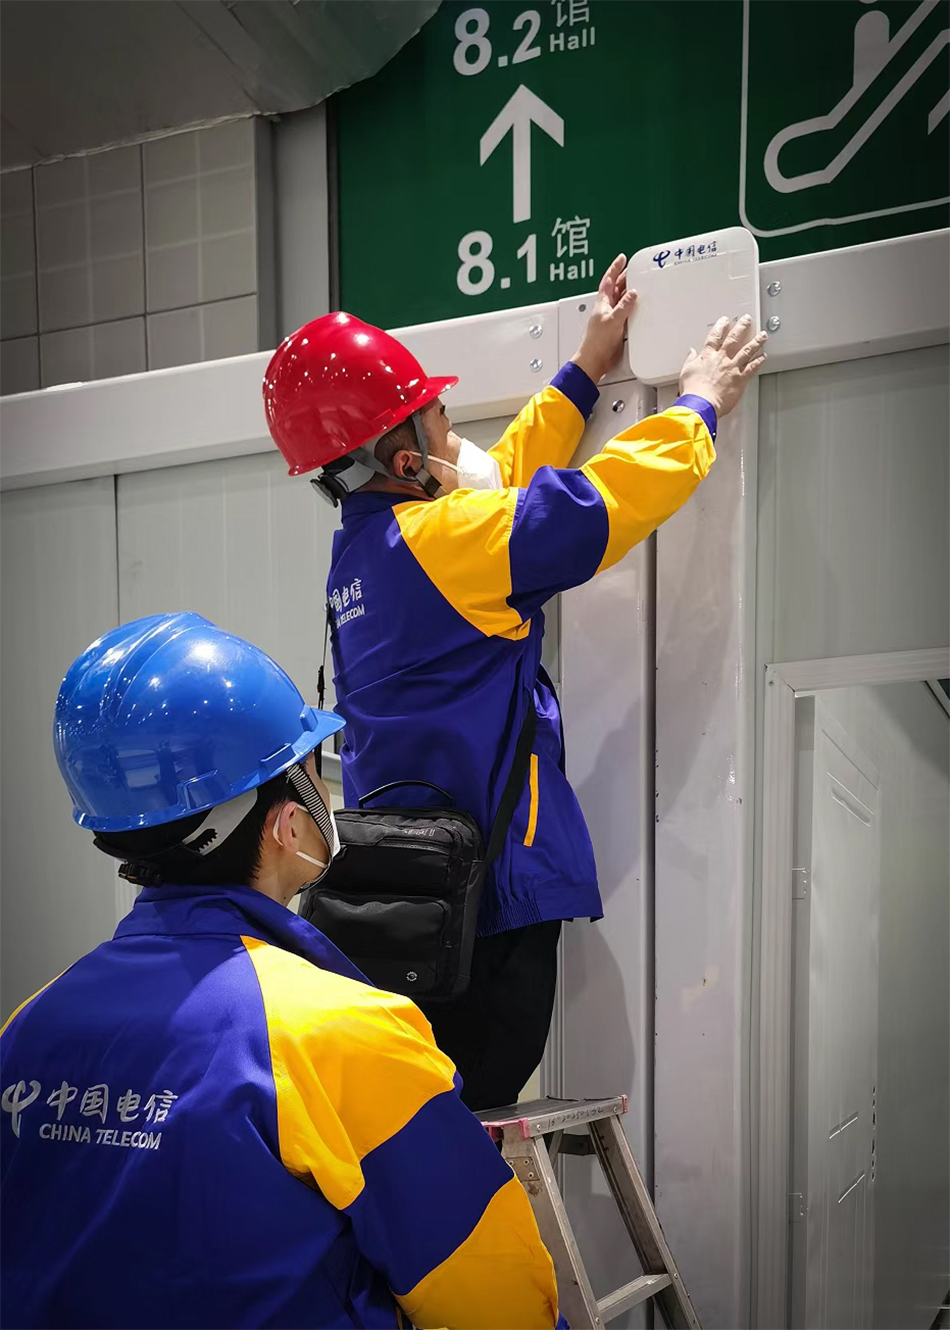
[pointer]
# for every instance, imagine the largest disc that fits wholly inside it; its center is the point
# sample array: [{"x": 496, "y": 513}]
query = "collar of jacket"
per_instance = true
[
  {"x": 373, "y": 501},
  {"x": 234, "y": 911}
]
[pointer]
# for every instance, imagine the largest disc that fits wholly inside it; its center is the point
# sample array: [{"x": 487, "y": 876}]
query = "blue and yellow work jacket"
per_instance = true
[
  {"x": 213, "y": 1120},
  {"x": 438, "y": 627}
]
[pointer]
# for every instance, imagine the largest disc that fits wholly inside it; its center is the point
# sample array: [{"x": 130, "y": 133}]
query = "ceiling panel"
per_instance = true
[{"x": 76, "y": 76}]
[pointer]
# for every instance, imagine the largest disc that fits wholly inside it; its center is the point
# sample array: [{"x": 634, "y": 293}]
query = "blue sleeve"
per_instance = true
[
  {"x": 705, "y": 410},
  {"x": 577, "y": 387}
]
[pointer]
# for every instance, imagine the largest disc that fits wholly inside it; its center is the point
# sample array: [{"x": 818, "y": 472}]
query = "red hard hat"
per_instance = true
[{"x": 338, "y": 383}]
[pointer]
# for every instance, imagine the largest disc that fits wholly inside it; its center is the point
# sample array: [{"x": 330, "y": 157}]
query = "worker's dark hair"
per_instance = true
[
  {"x": 401, "y": 436},
  {"x": 156, "y": 855}
]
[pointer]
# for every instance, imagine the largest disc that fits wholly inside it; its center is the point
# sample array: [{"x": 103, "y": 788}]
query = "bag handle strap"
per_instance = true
[
  {"x": 514, "y": 784},
  {"x": 397, "y": 784},
  {"x": 322, "y": 680},
  {"x": 322, "y": 671}
]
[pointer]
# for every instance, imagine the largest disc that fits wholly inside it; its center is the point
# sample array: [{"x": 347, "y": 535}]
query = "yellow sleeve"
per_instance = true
[
  {"x": 501, "y": 1277},
  {"x": 545, "y": 433},
  {"x": 368, "y": 1112},
  {"x": 646, "y": 474}
]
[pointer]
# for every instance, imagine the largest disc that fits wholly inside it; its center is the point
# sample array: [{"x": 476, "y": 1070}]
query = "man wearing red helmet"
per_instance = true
[{"x": 438, "y": 576}]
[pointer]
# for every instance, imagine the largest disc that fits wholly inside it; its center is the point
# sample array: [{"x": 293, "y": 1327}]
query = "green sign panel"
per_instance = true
[{"x": 509, "y": 152}]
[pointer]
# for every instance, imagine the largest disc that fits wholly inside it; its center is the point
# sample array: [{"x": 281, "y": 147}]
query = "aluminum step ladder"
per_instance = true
[{"x": 531, "y": 1136}]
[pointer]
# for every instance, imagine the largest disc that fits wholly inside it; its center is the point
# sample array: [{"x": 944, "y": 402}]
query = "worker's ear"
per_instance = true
[
  {"x": 404, "y": 464},
  {"x": 283, "y": 825}
]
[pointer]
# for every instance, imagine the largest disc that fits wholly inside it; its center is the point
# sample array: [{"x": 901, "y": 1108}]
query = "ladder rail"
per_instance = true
[
  {"x": 636, "y": 1209},
  {"x": 532, "y": 1166}
]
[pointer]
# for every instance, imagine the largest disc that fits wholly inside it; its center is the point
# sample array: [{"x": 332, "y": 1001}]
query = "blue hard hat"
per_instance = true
[{"x": 169, "y": 715}]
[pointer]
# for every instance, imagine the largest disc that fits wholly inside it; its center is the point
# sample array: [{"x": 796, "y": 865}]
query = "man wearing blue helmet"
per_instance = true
[{"x": 212, "y": 1119}]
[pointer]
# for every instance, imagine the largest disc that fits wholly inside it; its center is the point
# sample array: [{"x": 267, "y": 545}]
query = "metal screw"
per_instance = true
[
  {"x": 537, "y": 365},
  {"x": 412, "y": 976},
  {"x": 617, "y": 406},
  {"x": 774, "y": 288},
  {"x": 581, "y": 308},
  {"x": 774, "y": 323},
  {"x": 535, "y": 330}
]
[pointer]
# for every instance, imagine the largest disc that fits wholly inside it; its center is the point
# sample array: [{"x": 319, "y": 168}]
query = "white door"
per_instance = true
[{"x": 837, "y": 908}]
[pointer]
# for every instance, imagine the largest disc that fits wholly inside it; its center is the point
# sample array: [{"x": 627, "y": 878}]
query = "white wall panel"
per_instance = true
[
  {"x": 849, "y": 304},
  {"x": 58, "y": 594},
  {"x": 501, "y": 359},
  {"x": 192, "y": 413},
  {"x": 704, "y": 707},
  {"x": 238, "y": 541},
  {"x": 607, "y": 1001},
  {"x": 855, "y": 506}
]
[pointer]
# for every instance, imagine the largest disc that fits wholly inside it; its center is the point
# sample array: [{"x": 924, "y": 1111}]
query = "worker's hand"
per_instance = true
[
  {"x": 602, "y": 342},
  {"x": 730, "y": 358}
]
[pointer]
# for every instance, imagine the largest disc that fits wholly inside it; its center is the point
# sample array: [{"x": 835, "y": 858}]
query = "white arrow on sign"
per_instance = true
[{"x": 517, "y": 115}]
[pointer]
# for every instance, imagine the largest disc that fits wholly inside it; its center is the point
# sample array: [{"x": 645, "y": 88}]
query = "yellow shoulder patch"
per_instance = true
[
  {"x": 461, "y": 544},
  {"x": 352, "y": 1065}
]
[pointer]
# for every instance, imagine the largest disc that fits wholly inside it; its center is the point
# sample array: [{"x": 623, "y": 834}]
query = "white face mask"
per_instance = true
[
  {"x": 475, "y": 469},
  {"x": 334, "y": 848},
  {"x": 322, "y": 864}
]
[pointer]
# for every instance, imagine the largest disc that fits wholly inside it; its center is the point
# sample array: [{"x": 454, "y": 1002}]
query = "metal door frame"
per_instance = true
[{"x": 772, "y": 1042}]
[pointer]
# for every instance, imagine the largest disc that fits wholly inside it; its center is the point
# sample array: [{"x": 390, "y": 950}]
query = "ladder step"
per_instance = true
[
  {"x": 647, "y": 1286},
  {"x": 542, "y": 1116}
]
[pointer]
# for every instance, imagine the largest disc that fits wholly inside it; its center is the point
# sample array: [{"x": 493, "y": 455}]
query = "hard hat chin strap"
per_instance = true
[
  {"x": 312, "y": 800},
  {"x": 350, "y": 473},
  {"x": 424, "y": 476}
]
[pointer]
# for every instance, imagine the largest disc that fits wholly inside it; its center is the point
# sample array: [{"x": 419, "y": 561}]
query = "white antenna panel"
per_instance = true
[{"x": 684, "y": 287}]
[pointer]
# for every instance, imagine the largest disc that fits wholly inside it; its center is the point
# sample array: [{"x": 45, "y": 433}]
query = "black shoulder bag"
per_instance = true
[{"x": 401, "y": 898}]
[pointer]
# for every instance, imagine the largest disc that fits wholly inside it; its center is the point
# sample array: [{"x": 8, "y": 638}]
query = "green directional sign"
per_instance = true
[
  {"x": 509, "y": 152},
  {"x": 863, "y": 136}
]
